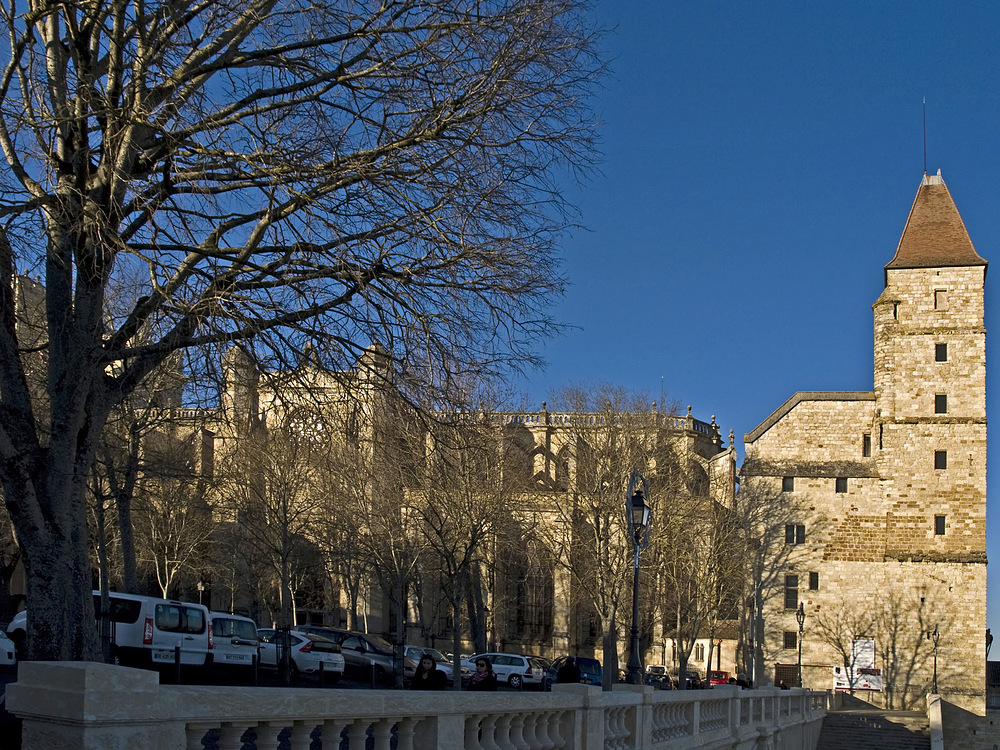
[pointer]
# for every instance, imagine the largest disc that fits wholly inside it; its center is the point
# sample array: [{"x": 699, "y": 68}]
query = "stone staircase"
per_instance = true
[{"x": 874, "y": 729}]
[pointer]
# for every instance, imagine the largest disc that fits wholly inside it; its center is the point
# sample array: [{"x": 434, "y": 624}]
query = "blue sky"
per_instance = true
[{"x": 760, "y": 160}]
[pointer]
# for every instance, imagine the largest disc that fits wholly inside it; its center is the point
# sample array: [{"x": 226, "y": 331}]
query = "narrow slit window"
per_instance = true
[
  {"x": 941, "y": 403},
  {"x": 940, "y": 352},
  {"x": 814, "y": 581},
  {"x": 939, "y": 525},
  {"x": 940, "y": 459},
  {"x": 866, "y": 445}
]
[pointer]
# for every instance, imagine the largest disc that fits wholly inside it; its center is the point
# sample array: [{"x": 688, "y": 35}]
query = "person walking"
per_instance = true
[
  {"x": 428, "y": 676},
  {"x": 483, "y": 678}
]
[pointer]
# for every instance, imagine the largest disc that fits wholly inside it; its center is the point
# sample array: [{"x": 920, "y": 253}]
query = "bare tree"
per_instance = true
[
  {"x": 277, "y": 172},
  {"x": 613, "y": 433},
  {"x": 467, "y": 491}
]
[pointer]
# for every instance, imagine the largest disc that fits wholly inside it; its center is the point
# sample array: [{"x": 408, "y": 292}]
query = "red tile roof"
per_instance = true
[{"x": 935, "y": 235}]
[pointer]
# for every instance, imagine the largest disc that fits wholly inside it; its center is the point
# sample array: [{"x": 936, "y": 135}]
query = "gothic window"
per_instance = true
[
  {"x": 940, "y": 352},
  {"x": 699, "y": 652},
  {"x": 940, "y": 403},
  {"x": 940, "y": 459},
  {"x": 309, "y": 428}
]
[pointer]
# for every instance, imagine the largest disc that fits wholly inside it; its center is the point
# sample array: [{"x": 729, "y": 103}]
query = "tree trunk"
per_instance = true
[
  {"x": 56, "y": 554},
  {"x": 609, "y": 641}
]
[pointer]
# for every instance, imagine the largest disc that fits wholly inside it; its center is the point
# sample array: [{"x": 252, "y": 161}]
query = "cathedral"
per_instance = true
[{"x": 878, "y": 583}]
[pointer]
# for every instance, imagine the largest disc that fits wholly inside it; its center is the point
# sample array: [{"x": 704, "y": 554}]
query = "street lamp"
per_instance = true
[
  {"x": 935, "y": 636},
  {"x": 201, "y": 589},
  {"x": 800, "y": 617},
  {"x": 637, "y": 512}
]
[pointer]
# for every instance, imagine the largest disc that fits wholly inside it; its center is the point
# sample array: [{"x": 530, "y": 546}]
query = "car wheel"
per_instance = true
[{"x": 515, "y": 681}]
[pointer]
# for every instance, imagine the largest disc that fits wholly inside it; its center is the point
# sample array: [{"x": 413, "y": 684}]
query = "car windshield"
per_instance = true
[{"x": 380, "y": 643}]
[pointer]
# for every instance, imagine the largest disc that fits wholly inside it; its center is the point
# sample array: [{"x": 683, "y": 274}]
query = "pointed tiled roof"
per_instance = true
[{"x": 935, "y": 235}]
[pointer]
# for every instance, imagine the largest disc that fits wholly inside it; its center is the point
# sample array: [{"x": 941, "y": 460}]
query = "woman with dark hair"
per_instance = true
[
  {"x": 428, "y": 676},
  {"x": 483, "y": 678}
]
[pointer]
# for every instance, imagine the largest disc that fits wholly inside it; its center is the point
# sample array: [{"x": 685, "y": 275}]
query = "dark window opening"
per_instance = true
[
  {"x": 791, "y": 592},
  {"x": 814, "y": 581},
  {"x": 940, "y": 459},
  {"x": 941, "y": 403},
  {"x": 939, "y": 525},
  {"x": 940, "y": 352},
  {"x": 791, "y": 639},
  {"x": 866, "y": 445},
  {"x": 788, "y": 484},
  {"x": 795, "y": 534},
  {"x": 841, "y": 484}
]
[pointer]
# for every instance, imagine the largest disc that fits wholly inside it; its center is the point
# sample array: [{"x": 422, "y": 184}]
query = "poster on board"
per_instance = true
[{"x": 862, "y": 674}]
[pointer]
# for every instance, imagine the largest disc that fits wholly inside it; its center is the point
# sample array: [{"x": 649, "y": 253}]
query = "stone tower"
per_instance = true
[{"x": 883, "y": 493}]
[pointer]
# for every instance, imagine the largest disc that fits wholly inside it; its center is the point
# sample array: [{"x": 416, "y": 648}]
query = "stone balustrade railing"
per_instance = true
[{"x": 101, "y": 707}]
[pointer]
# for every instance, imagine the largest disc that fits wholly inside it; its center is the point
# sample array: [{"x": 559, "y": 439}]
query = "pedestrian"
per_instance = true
[
  {"x": 741, "y": 680},
  {"x": 569, "y": 671},
  {"x": 483, "y": 678},
  {"x": 782, "y": 685},
  {"x": 428, "y": 676}
]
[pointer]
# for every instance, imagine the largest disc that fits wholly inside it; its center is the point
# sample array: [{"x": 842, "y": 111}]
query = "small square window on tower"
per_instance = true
[
  {"x": 940, "y": 352},
  {"x": 939, "y": 525},
  {"x": 940, "y": 299},
  {"x": 940, "y": 459},
  {"x": 841, "y": 484},
  {"x": 941, "y": 403},
  {"x": 788, "y": 484}
]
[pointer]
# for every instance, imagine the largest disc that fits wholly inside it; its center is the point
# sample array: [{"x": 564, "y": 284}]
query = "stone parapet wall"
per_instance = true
[{"x": 91, "y": 706}]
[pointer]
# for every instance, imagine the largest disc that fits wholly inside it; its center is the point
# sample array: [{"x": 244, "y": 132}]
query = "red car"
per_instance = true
[{"x": 718, "y": 678}]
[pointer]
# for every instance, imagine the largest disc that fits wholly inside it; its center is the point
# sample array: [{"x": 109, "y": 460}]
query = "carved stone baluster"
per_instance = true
[
  {"x": 195, "y": 733},
  {"x": 473, "y": 731},
  {"x": 382, "y": 733},
  {"x": 231, "y": 735},
  {"x": 404, "y": 733},
  {"x": 504, "y": 731},
  {"x": 268, "y": 735},
  {"x": 301, "y": 738},
  {"x": 487, "y": 739},
  {"x": 332, "y": 729},
  {"x": 358, "y": 736}
]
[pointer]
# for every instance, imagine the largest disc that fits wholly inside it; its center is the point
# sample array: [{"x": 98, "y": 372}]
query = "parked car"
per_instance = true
[
  {"x": 308, "y": 651},
  {"x": 590, "y": 671},
  {"x": 364, "y": 653},
  {"x": 235, "y": 642},
  {"x": 514, "y": 669},
  {"x": 8, "y": 652},
  {"x": 693, "y": 680},
  {"x": 146, "y": 631},
  {"x": 717, "y": 677},
  {"x": 656, "y": 675},
  {"x": 443, "y": 662}
]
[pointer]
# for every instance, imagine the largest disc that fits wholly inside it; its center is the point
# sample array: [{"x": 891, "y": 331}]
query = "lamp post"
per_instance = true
[
  {"x": 800, "y": 617},
  {"x": 637, "y": 512},
  {"x": 201, "y": 589},
  {"x": 935, "y": 636}
]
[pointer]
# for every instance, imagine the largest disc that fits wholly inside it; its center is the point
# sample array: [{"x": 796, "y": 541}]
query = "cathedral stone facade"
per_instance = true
[{"x": 885, "y": 540}]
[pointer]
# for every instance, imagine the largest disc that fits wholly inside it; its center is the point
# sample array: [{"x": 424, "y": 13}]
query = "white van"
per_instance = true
[
  {"x": 147, "y": 630},
  {"x": 234, "y": 640}
]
